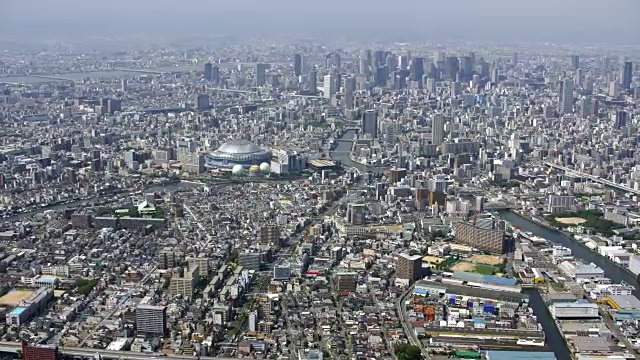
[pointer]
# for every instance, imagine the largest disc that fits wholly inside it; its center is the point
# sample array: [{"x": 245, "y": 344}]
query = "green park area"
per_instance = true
[
  {"x": 485, "y": 269},
  {"x": 593, "y": 219},
  {"x": 84, "y": 286}
]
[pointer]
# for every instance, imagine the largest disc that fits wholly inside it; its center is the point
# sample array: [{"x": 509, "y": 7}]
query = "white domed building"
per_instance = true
[
  {"x": 265, "y": 168},
  {"x": 237, "y": 170},
  {"x": 238, "y": 152}
]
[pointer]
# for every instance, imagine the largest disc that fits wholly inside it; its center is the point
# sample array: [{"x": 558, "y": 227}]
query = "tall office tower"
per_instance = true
[
  {"x": 619, "y": 119},
  {"x": 151, "y": 320},
  {"x": 575, "y": 62},
  {"x": 586, "y": 107},
  {"x": 577, "y": 78},
  {"x": 626, "y": 75},
  {"x": 566, "y": 97},
  {"x": 363, "y": 67},
  {"x": 202, "y": 102},
  {"x": 614, "y": 89},
  {"x": 484, "y": 69},
  {"x": 114, "y": 105},
  {"x": 215, "y": 75},
  {"x": 440, "y": 59},
  {"x": 349, "y": 90},
  {"x": 369, "y": 123},
  {"x": 400, "y": 79},
  {"x": 403, "y": 62},
  {"x": 466, "y": 68},
  {"x": 472, "y": 55},
  {"x": 514, "y": 59},
  {"x": 208, "y": 69},
  {"x": 437, "y": 129},
  {"x": 337, "y": 59},
  {"x": 409, "y": 267},
  {"x": 456, "y": 88},
  {"x": 313, "y": 81},
  {"x": 261, "y": 74},
  {"x": 417, "y": 68},
  {"x": 379, "y": 57},
  {"x": 297, "y": 64},
  {"x": 368, "y": 55},
  {"x": 329, "y": 86},
  {"x": 381, "y": 76},
  {"x": 495, "y": 75},
  {"x": 390, "y": 62},
  {"x": 451, "y": 68},
  {"x": 123, "y": 85},
  {"x": 430, "y": 86}
]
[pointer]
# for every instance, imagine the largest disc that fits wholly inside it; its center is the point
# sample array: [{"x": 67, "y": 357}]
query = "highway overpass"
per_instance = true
[
  {"x": 15, "y": 347},
  {"x": 593, "y": 178}
]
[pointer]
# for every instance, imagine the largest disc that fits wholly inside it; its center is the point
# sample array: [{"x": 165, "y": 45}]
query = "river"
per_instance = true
[
  {"x": 341, "y": 152},
  {"x": 612, "y": 271}
]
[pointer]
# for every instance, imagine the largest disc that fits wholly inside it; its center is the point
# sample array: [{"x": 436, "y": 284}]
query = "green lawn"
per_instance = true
[{"x": 485, "y": 269}]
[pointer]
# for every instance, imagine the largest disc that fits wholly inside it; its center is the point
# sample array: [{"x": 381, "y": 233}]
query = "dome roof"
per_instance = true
[{"x": 239, "y": 147}]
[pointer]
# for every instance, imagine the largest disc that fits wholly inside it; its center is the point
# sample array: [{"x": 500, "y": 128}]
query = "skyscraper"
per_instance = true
[
  {"x": 403, "y": 62},
  {"x": 451, "y": 68},
  {"x": 466, "y": 68},
  {"x": 297, "y": 64},
  {"x": 566, "y": 97},
  {"x": 349, "y": 90},
  {"x": 261, "y": 74},
  {"x": 313, "y": 81},
  {"x": 202, "y": 102},
  {"x": 363, "y": 67},
  {"x": 370, "y": 123},
  {"x": 495, "y": 75},
  {"x": 215, "y": 75},
  {"x": 575, "y": 62},
  {"x": 619, "y": 119},
  {"x": 437, "y": 129},
  {"x": 626, "y": 75},
  {"x": 381, "y": 76},
  {"x": 417, "y": 68},
  {"x": 514, "y": 59},
  {"x": 208, "y": 71},
  {"x": 329, "y": 86}
]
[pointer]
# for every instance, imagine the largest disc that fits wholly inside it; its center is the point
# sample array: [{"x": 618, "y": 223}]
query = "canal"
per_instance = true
[
  {"x": 341, "y": 153},
  {"x": 613, "y": 272}
]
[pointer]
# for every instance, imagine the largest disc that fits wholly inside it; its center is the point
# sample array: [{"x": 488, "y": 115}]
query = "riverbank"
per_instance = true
[{"x": 570, "y": 236}]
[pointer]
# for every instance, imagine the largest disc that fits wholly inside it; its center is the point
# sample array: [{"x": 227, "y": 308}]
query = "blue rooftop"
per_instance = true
[
  {"x": 491, "y": 279},
  {"x": 17, "y": 311},
  {"x": 520, "y": 355},
  {"x": 47, "y": 278}
]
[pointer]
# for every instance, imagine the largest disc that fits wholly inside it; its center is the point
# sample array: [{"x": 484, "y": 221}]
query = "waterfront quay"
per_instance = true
[{"x": 590, "y": 300}]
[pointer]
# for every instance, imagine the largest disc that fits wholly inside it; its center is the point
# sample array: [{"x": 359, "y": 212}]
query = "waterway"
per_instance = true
[
  {"x": 536, "y": 302},
  {"x": 552, "y": 335},
  {"x": 611, "y": 271},
  {"x": 341, "y": 152}
]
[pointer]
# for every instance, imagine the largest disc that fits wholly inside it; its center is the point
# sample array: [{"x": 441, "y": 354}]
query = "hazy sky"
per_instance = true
[{"x": 566, "y": 21}]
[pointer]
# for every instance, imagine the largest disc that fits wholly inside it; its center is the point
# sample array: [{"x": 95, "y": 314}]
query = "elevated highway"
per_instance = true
[
  {"x": 15, "y": 347},
  {"x": 593, "y": 178}
]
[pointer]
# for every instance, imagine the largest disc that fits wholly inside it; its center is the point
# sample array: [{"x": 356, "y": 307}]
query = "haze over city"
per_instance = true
[{"x": 565, "y": 21}]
